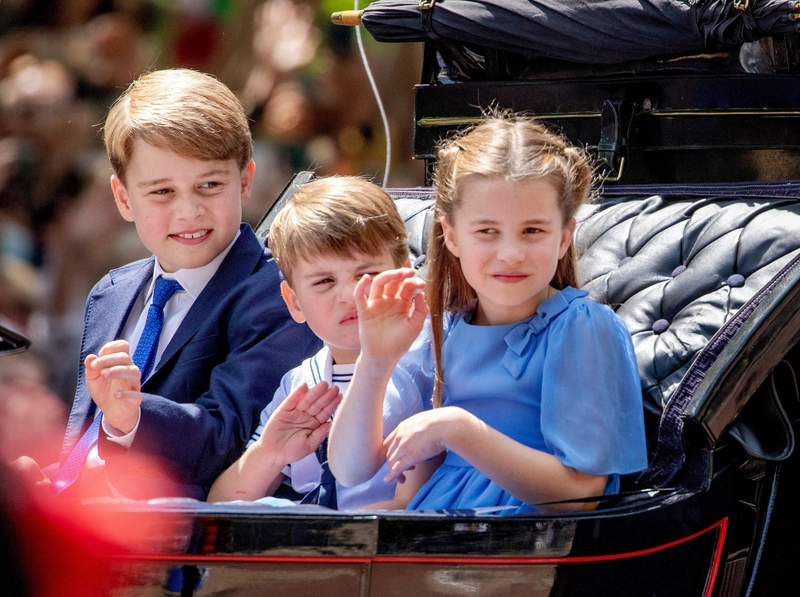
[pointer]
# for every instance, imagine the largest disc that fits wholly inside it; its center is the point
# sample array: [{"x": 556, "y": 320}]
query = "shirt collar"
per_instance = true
[
  {"x": 318, "y": 368},
  {"x": 192, "y": 280}
]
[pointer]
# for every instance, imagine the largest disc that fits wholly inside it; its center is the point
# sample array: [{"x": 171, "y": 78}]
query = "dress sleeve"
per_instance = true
[
  {"x": 592, "y": 414},
  {"x": 411, "y": 388}
]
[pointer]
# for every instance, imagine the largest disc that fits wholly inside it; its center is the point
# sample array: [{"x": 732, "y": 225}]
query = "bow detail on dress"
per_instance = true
[{"x": 520, "y": 339}]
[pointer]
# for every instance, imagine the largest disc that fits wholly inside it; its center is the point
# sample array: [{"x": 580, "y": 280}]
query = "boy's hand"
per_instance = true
[
  {"x": 114, "y": 383},
  {"x": 30, "y": 472},
  {"x": 390, "y": 316},
  {"x": 300, "y": 423}
]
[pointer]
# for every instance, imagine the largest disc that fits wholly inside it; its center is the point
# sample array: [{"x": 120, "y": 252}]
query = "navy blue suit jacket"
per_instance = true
[{"x": 217, "y": 373}]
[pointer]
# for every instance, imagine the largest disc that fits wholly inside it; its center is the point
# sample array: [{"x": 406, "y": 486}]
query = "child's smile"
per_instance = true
[
  {"x": 508, "y": 246},
  {"x": 186, "y": 210},
  {"x": 192, "y": 238}
]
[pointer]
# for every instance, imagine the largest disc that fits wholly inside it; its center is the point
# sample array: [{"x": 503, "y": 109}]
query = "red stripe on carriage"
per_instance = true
[{"x": 721, "y": 526}]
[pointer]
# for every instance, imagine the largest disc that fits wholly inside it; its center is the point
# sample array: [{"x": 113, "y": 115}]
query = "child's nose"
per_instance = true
[
  {"x": 511, "y": 251},
  {"x": 188, "y": 207},
  {"x": 346, "y": 293}
]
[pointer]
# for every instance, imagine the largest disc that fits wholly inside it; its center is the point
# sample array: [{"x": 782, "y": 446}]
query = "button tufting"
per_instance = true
[
  {"x": 736, "y": 281},
  {"x": 678, "y": 270},
  {"x": 624, "y": 261},
  {"x": 660, "y": 326}
]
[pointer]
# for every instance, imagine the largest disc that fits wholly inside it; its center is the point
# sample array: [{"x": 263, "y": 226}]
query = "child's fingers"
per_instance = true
[
  {"x": 380, "y": 281},
  {"x": 420, "y": 310},
  {"x": 115, "y": 346},
  {"x": 320, "y": 433},
  {"x": 401, "y": 478},
  {"x": 91, "y": 373},
  {"x": 361, "y": 293},
  {"x": 132, "y": 397},
  {"x": 323, "y": 408},
  {"x": 389, "y": 441},
  {"x": 330, "y": 407},
  {"x": 406, "y": 291},
  {"x": 409, "y": 287},
  {"x": 293, "y": 398},
  {"x": 129, "y": 374},
  {"x": 399, "y": 457},
  {"x": 391, "y": 287},
  {"x": 309, "y": 403},
  {"x": 111, "y": 360},
  {"x": 377, "y": 286},
  {"x": 397, "y": 468}
]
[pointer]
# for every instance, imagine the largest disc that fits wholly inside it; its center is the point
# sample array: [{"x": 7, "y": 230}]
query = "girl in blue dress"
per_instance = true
[{"x": 535, "y": 388}]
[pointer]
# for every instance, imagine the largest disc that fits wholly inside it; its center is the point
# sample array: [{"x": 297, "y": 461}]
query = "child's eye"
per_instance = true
[
  {"x": 532, "y": 230},
  {"x": 161, "y": 191},
  {"x": 211, "y": 184},
  {"x": 322, "y": 282},
  {"x": 487, "y": 231}
]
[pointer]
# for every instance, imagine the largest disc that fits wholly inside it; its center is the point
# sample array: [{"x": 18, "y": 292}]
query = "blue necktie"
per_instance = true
[
  {"x": 144, "y": 358},
  {"x": 69, "y": 471},
  {"x": 325, "y": 493},
  {"x": 145, "y": 355}
]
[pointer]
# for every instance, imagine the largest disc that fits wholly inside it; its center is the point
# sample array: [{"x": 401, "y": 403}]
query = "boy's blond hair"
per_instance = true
[
  {"x": 182, "y": 110},
  {"x": 342, "y": 216}
]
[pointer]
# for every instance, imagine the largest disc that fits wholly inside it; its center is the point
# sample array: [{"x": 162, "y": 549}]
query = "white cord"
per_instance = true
[{"x": 378, "y": 99}]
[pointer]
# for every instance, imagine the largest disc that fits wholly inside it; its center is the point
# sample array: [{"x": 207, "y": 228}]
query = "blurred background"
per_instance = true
[{"x": 63, "y": 63}]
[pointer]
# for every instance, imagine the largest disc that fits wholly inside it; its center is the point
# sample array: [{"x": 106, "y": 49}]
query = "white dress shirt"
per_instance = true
[{"x": 193, "y": 282}]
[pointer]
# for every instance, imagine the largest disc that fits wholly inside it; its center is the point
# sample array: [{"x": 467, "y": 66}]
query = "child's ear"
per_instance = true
[
  {"x": 567, "y": 232},
  {"x": 246, "y": 189},
  {"x": 449, "y": 238},
  {"x": 121, "y": 198},
  {"x": 290, "y": 298}
]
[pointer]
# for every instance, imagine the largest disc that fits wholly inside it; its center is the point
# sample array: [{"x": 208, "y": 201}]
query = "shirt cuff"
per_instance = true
[{"x": 116, "y": 436}]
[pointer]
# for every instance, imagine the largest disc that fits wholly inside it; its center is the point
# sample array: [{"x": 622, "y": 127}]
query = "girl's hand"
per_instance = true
[
  {"x": 390, "y": 316},
  {"x": 421, "y": 437}
]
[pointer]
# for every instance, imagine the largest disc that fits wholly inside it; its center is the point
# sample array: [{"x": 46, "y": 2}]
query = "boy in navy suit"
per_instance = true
[{"x": 181, "y": 351}]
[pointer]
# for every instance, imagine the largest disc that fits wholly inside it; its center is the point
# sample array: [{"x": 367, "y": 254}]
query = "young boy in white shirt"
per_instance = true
[{"x": 332, "y": 233}]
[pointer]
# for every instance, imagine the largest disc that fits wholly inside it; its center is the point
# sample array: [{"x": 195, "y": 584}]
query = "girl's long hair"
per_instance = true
[{"x": 513, "y": 148}]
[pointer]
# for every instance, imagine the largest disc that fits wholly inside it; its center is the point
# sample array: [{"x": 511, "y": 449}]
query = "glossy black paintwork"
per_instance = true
[{"x": 735, "y": 126}]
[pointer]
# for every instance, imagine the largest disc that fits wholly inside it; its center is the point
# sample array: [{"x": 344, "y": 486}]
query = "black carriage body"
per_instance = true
[{"x": 714, "y": 516}]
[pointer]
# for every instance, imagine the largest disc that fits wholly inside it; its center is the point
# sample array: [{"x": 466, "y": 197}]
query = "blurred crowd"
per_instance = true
[{"x": 62, "y": 64}]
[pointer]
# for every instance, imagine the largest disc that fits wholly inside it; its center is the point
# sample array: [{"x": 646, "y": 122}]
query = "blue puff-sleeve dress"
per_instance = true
[{"x": 564, "y": 381}]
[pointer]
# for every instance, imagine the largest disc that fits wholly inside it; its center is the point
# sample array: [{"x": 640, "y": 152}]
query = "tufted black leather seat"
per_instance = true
[{"x": 676, "y": 263}]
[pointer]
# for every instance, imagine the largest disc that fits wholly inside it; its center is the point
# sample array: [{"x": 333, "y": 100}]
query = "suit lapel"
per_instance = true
[
  {"x": 107, "y": 311},
  {"x": 238, "y": 264}
]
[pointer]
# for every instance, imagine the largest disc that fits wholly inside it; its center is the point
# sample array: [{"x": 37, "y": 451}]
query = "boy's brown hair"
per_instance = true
[
  {"x": 185, "y": 111},
  {"x": 340, "y": 215}
]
